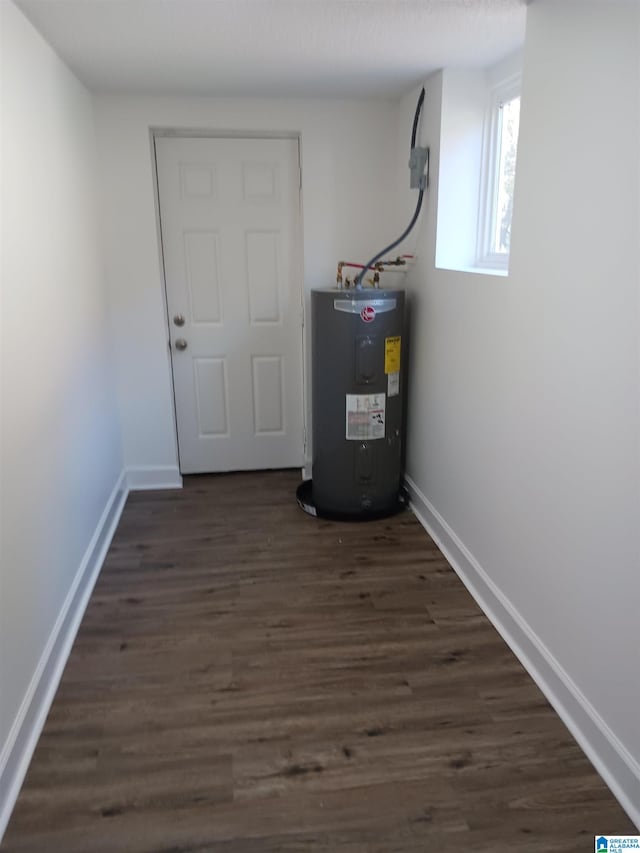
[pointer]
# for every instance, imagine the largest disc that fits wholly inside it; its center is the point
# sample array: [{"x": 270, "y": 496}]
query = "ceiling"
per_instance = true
[{"x": 272, "y": 48}]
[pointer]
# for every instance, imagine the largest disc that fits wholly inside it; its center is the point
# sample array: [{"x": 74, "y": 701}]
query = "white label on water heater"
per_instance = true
[
  {"x": 365, "y": 416},
  {"x": 393, "y": 384}
]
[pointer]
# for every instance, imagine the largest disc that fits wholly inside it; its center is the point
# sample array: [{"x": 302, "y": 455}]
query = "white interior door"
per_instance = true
[{"x": 229, "y": 213}]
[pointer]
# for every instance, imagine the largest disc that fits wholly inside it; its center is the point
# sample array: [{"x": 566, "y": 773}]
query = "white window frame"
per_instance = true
[{"x": 505, "y": 90}]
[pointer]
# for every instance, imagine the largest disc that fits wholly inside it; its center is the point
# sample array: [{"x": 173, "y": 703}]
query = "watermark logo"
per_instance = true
[{"x": 616, "y": 843}]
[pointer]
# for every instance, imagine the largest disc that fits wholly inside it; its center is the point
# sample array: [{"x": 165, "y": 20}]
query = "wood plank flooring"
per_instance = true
[{"x": 248, "y": 679}]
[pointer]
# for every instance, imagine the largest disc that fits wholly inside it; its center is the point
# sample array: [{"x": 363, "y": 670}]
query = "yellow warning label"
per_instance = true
[{"x": 392, "y": 355}]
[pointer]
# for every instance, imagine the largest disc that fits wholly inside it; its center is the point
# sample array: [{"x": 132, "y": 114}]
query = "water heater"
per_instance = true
[{"x": 358, "y": 391}]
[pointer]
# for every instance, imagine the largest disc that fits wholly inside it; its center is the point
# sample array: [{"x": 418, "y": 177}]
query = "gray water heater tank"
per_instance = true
[{"x": 358, "y": 391}]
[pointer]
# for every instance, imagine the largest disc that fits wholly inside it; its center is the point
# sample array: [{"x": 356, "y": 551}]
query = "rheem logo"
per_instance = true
[{"x": 368, "y": 314}]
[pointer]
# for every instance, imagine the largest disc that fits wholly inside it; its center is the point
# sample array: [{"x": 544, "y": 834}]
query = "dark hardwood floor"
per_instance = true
[{"x": 247, "y": 678}]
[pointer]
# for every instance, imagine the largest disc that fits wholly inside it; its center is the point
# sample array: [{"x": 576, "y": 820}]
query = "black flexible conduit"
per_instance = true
[
  {"x": 358, "y": 279},
  {"x": 416, "y": 117}
]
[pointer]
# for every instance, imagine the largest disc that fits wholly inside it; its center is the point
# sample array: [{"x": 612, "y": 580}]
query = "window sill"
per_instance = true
[{"x": 500, "y": 272}]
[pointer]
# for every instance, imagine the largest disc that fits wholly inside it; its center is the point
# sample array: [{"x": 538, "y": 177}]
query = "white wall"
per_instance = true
[
  {"x": 60, "y": 446},
  {"x": 347, "y": 150},
  {"x": 524, "y": 423}
]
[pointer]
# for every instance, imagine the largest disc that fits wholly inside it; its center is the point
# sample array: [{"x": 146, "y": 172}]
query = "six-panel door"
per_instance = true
[{"x": 229, "y": 212}]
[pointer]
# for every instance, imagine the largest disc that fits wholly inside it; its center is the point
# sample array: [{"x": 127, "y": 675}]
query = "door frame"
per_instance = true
[{"x": 298, "y": 255}]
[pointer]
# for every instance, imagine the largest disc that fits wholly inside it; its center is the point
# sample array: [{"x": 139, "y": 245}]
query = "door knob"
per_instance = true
[
  {"x": 179, "y": 320},
  {"x": 181, "y": 344}
]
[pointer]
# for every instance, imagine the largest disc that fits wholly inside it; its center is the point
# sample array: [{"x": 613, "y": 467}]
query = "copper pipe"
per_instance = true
[{"x": 377, "y": 267}]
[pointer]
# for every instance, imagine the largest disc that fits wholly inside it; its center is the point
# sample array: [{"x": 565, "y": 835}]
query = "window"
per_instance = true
[
  {"x": 498, "y": 175},
  {"x": 480, "y": 111}
]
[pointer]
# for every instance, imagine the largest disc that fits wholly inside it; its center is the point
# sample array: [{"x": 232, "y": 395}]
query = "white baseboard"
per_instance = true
[
  {"x": 618, "y": 768},
  {"x": 23, "y": 737},
  {"x": 143, "y": 477}
]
